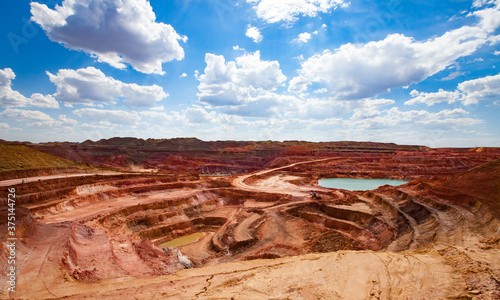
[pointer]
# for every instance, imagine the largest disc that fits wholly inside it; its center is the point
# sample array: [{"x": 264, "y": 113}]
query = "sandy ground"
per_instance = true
[{"x": 340, "y": 275}]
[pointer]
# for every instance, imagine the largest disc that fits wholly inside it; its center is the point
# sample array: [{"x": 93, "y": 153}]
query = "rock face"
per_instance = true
[{"x": 269, "y": 234}]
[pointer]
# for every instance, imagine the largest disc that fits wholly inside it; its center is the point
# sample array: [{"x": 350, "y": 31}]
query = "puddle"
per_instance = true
[{"x": 185, "y": 240}]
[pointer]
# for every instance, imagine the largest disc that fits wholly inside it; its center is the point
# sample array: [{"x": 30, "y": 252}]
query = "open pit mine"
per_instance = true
[{"x": 187, "y": 219}]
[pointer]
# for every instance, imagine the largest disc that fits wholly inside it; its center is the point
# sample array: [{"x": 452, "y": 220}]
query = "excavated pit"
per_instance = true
[
  {"x": 388, "y": 218},
  {"x": 113, "y": 227}
]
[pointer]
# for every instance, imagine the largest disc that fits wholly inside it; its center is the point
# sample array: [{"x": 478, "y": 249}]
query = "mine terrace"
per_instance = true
[{"x": 254, "y": 221}]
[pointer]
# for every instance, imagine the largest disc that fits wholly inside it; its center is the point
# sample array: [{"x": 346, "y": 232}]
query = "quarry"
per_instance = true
[{"x": 187, "y": 219}]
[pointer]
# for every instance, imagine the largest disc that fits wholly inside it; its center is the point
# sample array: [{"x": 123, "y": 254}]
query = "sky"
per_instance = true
[{"x": 407, "y": 72}]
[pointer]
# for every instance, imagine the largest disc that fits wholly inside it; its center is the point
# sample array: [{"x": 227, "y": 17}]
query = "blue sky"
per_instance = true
[{"x": 408, "y": 72}]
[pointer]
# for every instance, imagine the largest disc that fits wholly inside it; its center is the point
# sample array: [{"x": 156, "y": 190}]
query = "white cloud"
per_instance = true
[
  {"x": 490, "y": 17},
  {"x": 481, "y": 3},
  {"x": 157, "y": 108},
  {"x": 254, "y": 34},
  {"x": 9, "y": 97},
  {"x": 90, "y": 85},
  {"x": 163, "y": 118},
  {"x": 183, "y": 75},
  {"x": 112, "y": 116},
  {"x": 299, "y": 84},
  {"x": 4, "y": 126},
  {"x": 102, "y": 125},
  {"x": 320, "y": 91},
  {"x": 433, "y": 98},
  {"x": 46, "y": 101},
  {"x": 485, "y": 88},
  {"x": 12, "y": 98},
  {"x": 303, "y": 37},
  {"x": 67, "y": 120},
  {"x": 494, "y": 40},
  {"x": 453, "y": 75},
  {"x": 237, "y": 83},
  {"x": 197, "y": 114},
  {"x": 325, "y": 108},
  {"x": 264, "y": 104},
  {"x": 62, "y": 121},
  {"x": 362, "y": 71},
  {"x": 469, "y": 92},
  {"x": 117, "y": 32},
  {"x": 273, "y": 11},
  {"x": 442, "y": 120},
  {"x": 24, "y": 115}
]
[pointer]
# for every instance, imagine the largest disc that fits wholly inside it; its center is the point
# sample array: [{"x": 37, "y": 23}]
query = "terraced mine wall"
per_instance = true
[{"x": 109, "y": 228}]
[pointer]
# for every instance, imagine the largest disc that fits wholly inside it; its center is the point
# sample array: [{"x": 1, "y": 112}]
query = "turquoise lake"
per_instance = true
[{"x": 354, "y": 184}]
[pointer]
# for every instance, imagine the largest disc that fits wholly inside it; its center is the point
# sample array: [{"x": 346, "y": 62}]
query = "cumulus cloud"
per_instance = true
[
  {"x": 320, "y": 91},
  {"x": 490, "y": 17},
  {"x": 303, "y": 37},
  {"x": 62, "y": 121},
  {"x": 112, "y": 116},
  {"x": 362, "y": 71},
  {"x": 433, "y": 98},
  {"x": 236, "y": 83},
  {"x": 24, "y": 115},
  {"x": 254, "y": 34},
  {"x": 469, "y": 92},
  {"x": 9, "y": 97},
  {"x": 47, "y": 101},
  {"x": 90, "y": 85},
  {"x": 485, "y": 88},
  {"x": 117, "y": 32},
  {"x": 12, "y": 98},
  {"x": 197, "y": 114},
  {"x": 273, "y": 11},
  {"x": 264, "y": 104}
]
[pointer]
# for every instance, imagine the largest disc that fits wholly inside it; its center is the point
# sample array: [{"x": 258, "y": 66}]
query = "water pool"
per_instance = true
[
  {"x": 185, "y": 240},
  {"x": 355, "y": 184}
]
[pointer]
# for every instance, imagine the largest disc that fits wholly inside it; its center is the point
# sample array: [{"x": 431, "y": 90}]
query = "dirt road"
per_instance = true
[
  {"x": 275, "y": 184},
  {"x": 12, "y": 182}
]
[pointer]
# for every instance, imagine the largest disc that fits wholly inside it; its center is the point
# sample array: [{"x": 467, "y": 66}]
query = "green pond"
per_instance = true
[
  {"x": 185, "y": 240},
  {"x": 355, "y": 184}
]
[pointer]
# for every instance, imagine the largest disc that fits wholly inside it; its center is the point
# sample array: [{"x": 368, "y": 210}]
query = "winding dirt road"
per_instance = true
[
  {"x": 275, "y": 184},
  {"x": 11, "y": 182}
]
